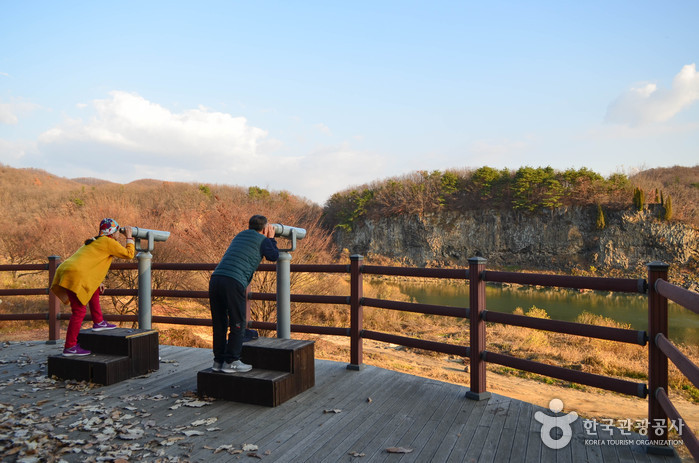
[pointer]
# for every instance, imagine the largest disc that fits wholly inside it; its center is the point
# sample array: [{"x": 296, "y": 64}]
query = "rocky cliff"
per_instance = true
[{"x": 555, "y": 240}]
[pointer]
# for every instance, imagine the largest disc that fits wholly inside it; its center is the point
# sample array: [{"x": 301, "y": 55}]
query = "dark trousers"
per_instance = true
[{"x": 227, "y": 300}]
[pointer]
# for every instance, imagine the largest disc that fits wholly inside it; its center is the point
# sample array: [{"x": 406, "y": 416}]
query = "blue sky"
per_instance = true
[{"x": 314, "y": 97}]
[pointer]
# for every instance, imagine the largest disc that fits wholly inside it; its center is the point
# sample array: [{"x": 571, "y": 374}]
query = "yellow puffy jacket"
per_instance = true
[{"x": 84, "y": 271}]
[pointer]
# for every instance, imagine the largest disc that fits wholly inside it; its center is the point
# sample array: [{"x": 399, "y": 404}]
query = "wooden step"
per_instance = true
[
  {"x": 281, "y": 369},
  {"x": 96, "y": 368},
  {"x": 141, "y": 346},
  {"x": 258, "y": 386},
  {"x": 290, "y": 355},
  {"x": 117, "y": 355}
]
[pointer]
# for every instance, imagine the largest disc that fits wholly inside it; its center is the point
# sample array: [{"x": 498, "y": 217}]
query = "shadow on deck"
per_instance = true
[{"x": 348, "y": 416}]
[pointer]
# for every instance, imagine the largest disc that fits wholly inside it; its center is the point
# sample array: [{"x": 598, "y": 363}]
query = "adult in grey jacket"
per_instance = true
[{"x": 227, "y": 291}]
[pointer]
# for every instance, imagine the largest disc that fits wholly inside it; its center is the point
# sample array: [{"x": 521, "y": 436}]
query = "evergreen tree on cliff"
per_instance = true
[
  {"x": 601, "y": 224},
  {"x": 668, "y": 208}
]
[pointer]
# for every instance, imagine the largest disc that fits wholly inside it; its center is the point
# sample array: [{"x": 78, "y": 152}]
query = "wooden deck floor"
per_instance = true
[{"x": 348, "y": 416}]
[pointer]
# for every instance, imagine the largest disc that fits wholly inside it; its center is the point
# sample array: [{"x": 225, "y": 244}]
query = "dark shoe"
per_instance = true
[{"x": 250, "y": 335}]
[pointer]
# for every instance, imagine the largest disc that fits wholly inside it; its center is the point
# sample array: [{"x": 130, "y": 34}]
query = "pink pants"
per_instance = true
[{"x": 76, "y": 319}]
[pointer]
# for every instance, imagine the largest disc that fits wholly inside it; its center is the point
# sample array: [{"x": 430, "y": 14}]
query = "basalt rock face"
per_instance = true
[{"x": 556, "y": 240}]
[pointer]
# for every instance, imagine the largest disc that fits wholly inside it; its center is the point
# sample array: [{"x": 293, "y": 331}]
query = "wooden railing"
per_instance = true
[{"x": 660, "y": 348}]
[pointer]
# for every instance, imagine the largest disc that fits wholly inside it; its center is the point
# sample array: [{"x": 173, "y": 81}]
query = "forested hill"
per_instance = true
[
  {"x": 533, "y": 218},
  {"x": 42, "y": 215},
  {"x": 672, "y": 192},
  {"x": 571, "y": 221}
]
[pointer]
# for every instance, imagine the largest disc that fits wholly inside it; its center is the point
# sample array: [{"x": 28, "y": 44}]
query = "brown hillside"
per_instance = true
[{"x": 91, "y": 181}]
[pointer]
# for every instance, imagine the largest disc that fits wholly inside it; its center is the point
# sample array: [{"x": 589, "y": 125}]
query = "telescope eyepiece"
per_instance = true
[
  {"x": 286, "y": 231},
  {"x": 142, "y": 233}
]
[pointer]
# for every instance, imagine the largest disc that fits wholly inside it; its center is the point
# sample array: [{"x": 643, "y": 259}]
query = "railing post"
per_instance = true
[
  {"x": 356, "y": 312},
  {"x": 54, "y": 304},
  {"x": 476, "y": 265},
  {"x": 657, "y": 361}
]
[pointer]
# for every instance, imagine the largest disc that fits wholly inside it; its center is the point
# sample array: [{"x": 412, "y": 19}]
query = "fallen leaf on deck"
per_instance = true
[
  {"x": 221, "y": 448},
  {"x": 170, "y": 441},
  {"x": 356, "y": 454},
  {"x": 332, "y": 410},
  {"x": 192, "y": 433},
  {"x": 132, "y": 434},
  {"x": 206, "y": 421},
  {"x": 196, "y": 403},
  {"x": 249, "y": 447},
  {"x": 398, "y": 450}
]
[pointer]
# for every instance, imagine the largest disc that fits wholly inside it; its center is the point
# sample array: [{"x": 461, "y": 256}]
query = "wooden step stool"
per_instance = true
[
  {"x": 117, "y": 355},
  {"x": 282, "y": 369}
]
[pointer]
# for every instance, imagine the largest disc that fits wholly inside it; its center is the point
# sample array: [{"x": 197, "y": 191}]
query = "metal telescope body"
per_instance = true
[
  {"x": 293, "y": 233},
  {"x": 145, "y": 234},
  {"x": 144, "y": 270},
  {"x": 284, "y": 278}
]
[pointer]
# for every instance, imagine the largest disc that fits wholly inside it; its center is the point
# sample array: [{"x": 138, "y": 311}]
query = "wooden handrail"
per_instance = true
[
  {"x": 441, "y": 347},
  {"x": 427, "y": 309},
  {"x": 580, "y": 377},
  {"x": 658, "y": 289},
  {"x": 624, "y": 285},
  {"x": 448, "y": 273},
  {"x": 688, "y": 436},
  {"x": 687, "y": 299},
  {"x": 686, "y": 366},
  {"x": 578, "y": 329}
]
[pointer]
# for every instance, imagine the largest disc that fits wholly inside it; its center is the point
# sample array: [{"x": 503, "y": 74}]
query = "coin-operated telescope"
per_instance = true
[
  {"x": 144, "y": 270},
  {"x": 293, "y": 233},
  {"x": 145, "y": 234},
  {"x": 284, "y": 277}
]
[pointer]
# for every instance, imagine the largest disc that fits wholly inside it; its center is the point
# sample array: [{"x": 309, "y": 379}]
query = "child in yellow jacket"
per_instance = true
[{"x": 79, "y": 278}]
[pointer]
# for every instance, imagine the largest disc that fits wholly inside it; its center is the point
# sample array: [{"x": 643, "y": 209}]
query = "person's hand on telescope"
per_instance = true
[
  {"x": 128, "y": 233},
  {"x": 268, "y": 231}
]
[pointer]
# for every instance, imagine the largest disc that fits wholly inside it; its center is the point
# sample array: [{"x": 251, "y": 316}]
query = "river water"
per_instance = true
[{"x": 563, "y": 305}]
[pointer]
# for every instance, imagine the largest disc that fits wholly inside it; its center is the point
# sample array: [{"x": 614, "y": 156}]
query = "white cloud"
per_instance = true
[
  {"x": 7, "y": 115},
  {"x": 129, "y": 138},
  {"x": 4, "y": 74},
  {"x": 499, "y": 153},
  {"x": 328, "y": 170},
  {"x": 323, "y": 128},
  {"x": 11, "y": 112},
  {"x": 129, "y": 125},
  {"x": 647, "y": 103},
  {"x": 13, "y": 152}
]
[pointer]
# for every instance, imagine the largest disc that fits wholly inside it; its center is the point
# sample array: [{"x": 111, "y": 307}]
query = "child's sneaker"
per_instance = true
[
  {"x": 75, "y": 351},
  {"x": 103, "y": 325},
  {"x": 236, "y": 366}
]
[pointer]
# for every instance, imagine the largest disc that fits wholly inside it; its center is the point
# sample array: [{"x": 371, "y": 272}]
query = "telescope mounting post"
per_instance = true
[{"x": 284, "y": 278}]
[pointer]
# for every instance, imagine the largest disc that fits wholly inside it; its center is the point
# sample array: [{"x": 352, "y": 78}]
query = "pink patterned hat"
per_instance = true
[{"x": 108, "y": 227}]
